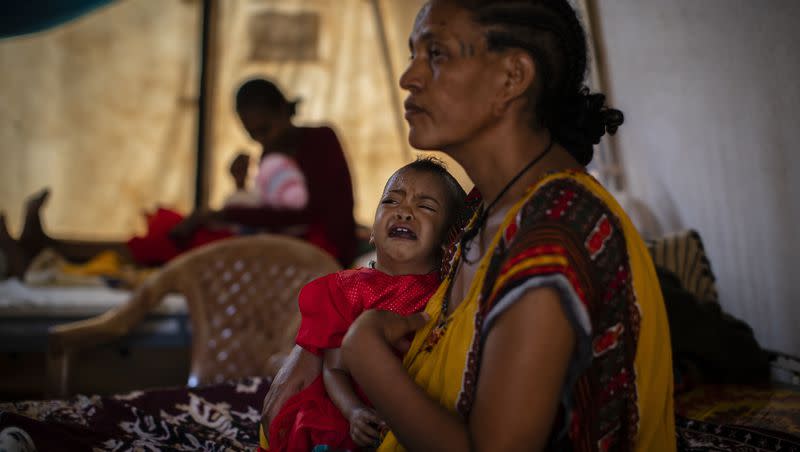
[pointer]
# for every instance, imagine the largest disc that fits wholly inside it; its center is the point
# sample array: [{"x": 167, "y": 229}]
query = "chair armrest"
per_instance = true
[
  {"x": 64, "y": 340},
  {"x": 97, "y": 330}
]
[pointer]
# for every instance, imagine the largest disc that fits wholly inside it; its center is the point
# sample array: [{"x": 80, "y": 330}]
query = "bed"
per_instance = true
[
  {"x": 28, "y": 312},
  {"x": 225, "y": 417}
]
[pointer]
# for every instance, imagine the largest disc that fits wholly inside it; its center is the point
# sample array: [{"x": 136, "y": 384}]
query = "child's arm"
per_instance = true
[{"x": 364, "y": 421}]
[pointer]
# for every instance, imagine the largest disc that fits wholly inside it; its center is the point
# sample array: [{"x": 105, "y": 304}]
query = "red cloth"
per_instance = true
[
  {"x": 307, "y": 419},
  {"x": 156, "y": 248},
  {"x": 329, "y": 212},
  {"x": 329, "y": 305}
]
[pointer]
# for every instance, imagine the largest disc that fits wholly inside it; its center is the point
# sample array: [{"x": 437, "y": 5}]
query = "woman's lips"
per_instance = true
[{"x": 412, "y": 109}]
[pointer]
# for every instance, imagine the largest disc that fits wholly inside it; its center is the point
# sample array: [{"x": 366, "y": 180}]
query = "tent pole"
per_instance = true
[
  {"x": 205, "y": 100},
  {"x": 612, "y": 168}
]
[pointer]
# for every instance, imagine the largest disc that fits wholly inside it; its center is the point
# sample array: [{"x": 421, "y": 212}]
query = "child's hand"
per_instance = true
[{"x": 365, "y": 426}]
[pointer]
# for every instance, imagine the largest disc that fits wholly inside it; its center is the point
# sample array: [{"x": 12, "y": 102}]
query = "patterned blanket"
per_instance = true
[
  {"x": 216, "y": 418},
  {"x": 225, "y": 417}
]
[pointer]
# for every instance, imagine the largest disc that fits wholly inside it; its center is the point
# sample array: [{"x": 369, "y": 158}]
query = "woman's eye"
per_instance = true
[
  {"x": 388, "y": 201},
  {"x": 435, "y": 52},
  {"x": 427, "y": 208}
]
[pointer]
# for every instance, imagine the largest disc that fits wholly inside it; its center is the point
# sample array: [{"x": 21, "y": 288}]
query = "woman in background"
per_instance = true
[{"x": 326, "y": 219}]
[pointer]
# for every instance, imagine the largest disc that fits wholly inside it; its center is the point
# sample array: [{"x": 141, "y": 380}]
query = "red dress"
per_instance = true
[{"x": 329, "y": 305}]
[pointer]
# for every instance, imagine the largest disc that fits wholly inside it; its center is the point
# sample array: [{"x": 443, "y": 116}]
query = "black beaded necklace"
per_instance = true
[
  {"x": 472, "y": 232},
  {"x": 438, "y": 331}
]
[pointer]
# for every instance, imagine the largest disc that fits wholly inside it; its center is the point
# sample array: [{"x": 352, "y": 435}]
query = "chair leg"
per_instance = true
[{"x": 57, "y": 374}]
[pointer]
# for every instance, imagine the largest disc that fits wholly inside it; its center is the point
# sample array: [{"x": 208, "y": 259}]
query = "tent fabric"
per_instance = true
[
  {"x": 30, "y": 16},
  {"x": 103, "y": 110}
]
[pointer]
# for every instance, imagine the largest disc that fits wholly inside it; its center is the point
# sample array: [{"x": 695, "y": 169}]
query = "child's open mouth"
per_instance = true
[{"x": 401, "y": 232}]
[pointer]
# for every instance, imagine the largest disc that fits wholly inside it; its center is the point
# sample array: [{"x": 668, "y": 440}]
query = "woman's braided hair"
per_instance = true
[{"x": 552, "y": 33}]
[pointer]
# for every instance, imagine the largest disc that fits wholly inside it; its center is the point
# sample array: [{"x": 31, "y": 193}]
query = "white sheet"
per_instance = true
[{"x": 20, "y": 300}]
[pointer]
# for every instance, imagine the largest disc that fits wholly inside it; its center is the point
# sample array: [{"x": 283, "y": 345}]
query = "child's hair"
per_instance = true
[{"x": 457, "y": 198}]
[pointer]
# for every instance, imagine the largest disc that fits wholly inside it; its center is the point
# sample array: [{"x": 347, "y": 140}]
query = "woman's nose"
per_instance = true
[{"x": 410, "y": 79}]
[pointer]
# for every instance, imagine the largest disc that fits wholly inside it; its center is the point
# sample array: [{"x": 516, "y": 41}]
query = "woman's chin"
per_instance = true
[{"x": 422, "y": 142}]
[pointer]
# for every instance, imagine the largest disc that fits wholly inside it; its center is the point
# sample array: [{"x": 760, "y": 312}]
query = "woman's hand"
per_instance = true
[
  {"x": 369, "y": 353},
  {"x": 373, "y": 328},
  {"x": 365, "y": 426}
]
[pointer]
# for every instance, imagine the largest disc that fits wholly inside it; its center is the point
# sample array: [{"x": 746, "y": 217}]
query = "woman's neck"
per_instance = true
[
  {"x": 492, "y": 163},
  {"x": 286, "y": 140}
]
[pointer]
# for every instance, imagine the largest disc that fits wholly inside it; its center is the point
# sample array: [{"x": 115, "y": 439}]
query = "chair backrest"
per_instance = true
[{"x": 242, "y": 299}]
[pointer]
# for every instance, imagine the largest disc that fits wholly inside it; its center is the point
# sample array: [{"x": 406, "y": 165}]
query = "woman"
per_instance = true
[
  {"x": 327, "y": 218},
  {"x": 550, "y": 331}
]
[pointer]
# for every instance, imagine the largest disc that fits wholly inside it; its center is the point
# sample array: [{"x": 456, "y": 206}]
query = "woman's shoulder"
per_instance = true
[
  {"x": 572, "y": 199},
  {"x": 319, "y": 143},
  {"x": 565, "y": 218},
  {"x": 318, "y": 133}
]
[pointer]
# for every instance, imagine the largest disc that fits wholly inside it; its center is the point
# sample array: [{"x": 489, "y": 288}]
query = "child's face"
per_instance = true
[{"x": 410, "y": 223}]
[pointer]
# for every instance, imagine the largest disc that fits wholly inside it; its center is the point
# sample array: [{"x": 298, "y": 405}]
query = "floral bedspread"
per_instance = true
[{"x": 225, "y": 417}]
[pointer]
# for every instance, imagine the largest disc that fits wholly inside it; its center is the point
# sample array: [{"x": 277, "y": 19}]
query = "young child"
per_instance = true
[{"x": 420, "y": 205}]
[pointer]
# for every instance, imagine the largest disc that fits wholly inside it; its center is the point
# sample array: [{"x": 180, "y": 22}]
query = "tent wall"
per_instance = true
[
  {"x": 710, "y": 94},
  {"x": 101, "y": 110},
  {"x": 345, "y": 85}
]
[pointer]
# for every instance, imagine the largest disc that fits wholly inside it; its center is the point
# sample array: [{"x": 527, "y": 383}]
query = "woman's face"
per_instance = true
[
  {"x": 452, "y": 78},
  {"x": 262, "y": 124}
]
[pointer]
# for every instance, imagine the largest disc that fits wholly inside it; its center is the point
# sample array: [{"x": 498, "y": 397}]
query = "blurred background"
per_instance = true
[{"x": 106, "y": 111}]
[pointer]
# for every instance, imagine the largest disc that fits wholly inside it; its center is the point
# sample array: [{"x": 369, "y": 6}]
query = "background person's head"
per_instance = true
[
  {"x": 481, "y": 59},
  {"x": 264, "y": 111},
  {"x": 421, "y": 204}
]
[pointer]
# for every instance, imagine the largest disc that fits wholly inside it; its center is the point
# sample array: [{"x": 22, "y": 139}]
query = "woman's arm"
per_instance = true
[
  {"x": 298, "y": 371},
  {"x": 418, "y": 422},
  {"x": 523, "y": 367},
  {"x": 364, "y": 422},
  {"x": 264, "y": 216}
]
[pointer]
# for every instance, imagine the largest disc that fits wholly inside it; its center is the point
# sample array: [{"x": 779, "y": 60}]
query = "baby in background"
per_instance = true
[{"x": 279, "y": 183}]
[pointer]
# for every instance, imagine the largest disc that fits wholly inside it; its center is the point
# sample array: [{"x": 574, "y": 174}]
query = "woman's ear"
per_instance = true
[{"x": 519, "y": 73}]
